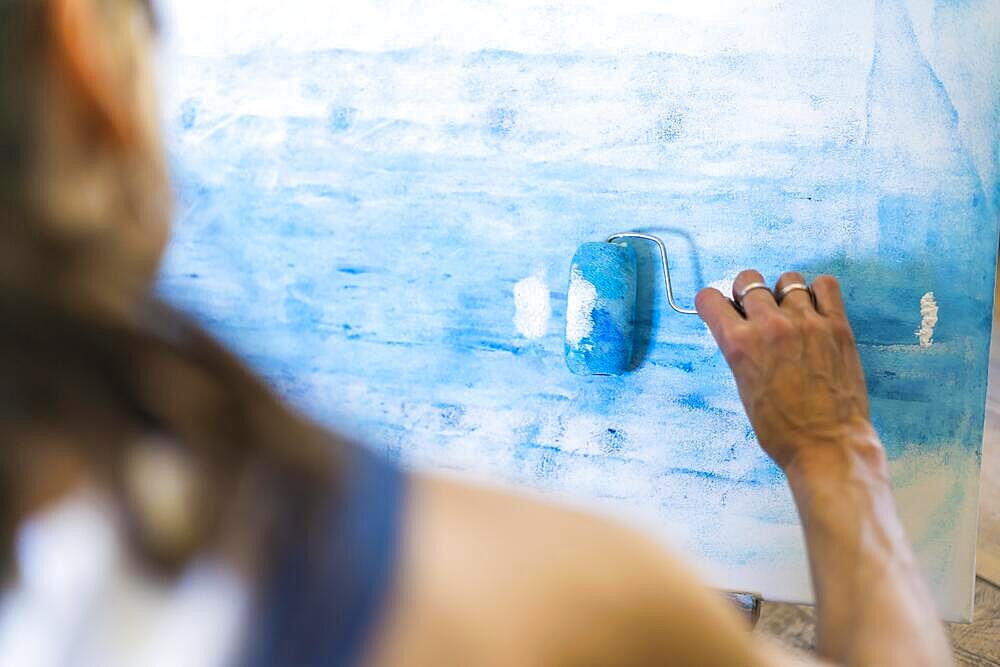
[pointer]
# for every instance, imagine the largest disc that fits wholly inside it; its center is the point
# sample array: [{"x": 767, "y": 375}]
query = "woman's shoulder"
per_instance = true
[{"x": 489, "y": 577}]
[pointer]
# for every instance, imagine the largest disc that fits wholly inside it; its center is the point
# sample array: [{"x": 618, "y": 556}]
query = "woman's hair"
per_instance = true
[{"x": 105, "y": 386}]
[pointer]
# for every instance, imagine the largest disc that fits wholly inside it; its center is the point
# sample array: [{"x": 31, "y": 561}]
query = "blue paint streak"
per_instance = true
[
  {"x": 341, "y": 119},
  {"x": 189, "y": 114}
]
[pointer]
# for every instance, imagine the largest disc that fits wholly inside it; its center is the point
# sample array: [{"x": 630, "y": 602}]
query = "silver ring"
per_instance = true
[
  {"x": 749, "y": 288},
  {"x": 788, "y": 289}
]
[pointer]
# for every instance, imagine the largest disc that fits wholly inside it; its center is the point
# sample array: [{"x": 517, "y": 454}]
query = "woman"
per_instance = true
[{"x": 160, "y": 504}]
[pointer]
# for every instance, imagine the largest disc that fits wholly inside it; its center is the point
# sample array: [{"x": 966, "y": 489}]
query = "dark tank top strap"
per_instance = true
[{"x": 324, "y": 610}]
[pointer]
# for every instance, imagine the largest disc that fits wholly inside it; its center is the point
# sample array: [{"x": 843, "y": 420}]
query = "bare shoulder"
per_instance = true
[{"x": 489, "y": 577}]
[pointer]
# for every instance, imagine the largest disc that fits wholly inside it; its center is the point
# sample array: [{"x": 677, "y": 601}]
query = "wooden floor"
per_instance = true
[{"x": 977, "y": 643}]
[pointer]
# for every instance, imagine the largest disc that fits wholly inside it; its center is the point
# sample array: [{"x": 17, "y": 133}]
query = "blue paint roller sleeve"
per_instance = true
[{"x": 600, "y": 309}]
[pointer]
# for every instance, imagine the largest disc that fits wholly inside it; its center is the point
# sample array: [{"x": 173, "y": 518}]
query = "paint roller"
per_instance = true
[{"x": 601, "y": 303}]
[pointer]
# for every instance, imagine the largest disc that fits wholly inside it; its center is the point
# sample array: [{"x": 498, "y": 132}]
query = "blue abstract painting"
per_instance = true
[{"x": 378, "y": 202}]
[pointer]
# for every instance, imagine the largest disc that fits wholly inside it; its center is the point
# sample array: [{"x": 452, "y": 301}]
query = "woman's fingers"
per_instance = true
[
  {"x": 798, "y": 373},
  {"x": 717, "y": 311},
  {"x": 757, "y": 302},
  {"x": 794, "y": 301},
  {"x": 828, "y": 298}
]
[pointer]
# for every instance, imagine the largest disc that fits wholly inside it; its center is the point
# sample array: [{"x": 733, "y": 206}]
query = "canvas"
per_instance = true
[{"x": 379, "y": 201}]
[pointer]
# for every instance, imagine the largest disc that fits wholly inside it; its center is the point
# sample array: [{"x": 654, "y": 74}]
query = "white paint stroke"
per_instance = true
[
  {"x": 579, "y": 307},
  {"x": 531, "y": 307},
  {"x": 928, "y": 319}
]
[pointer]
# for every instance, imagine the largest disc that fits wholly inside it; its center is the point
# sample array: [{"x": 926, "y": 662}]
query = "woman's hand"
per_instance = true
[
  {"x": 799, "y": 375},
  {"x": 796, "y": 365}
]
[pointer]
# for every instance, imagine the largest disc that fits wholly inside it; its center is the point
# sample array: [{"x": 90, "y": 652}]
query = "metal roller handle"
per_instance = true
[{"x": 666, "y": 266}]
